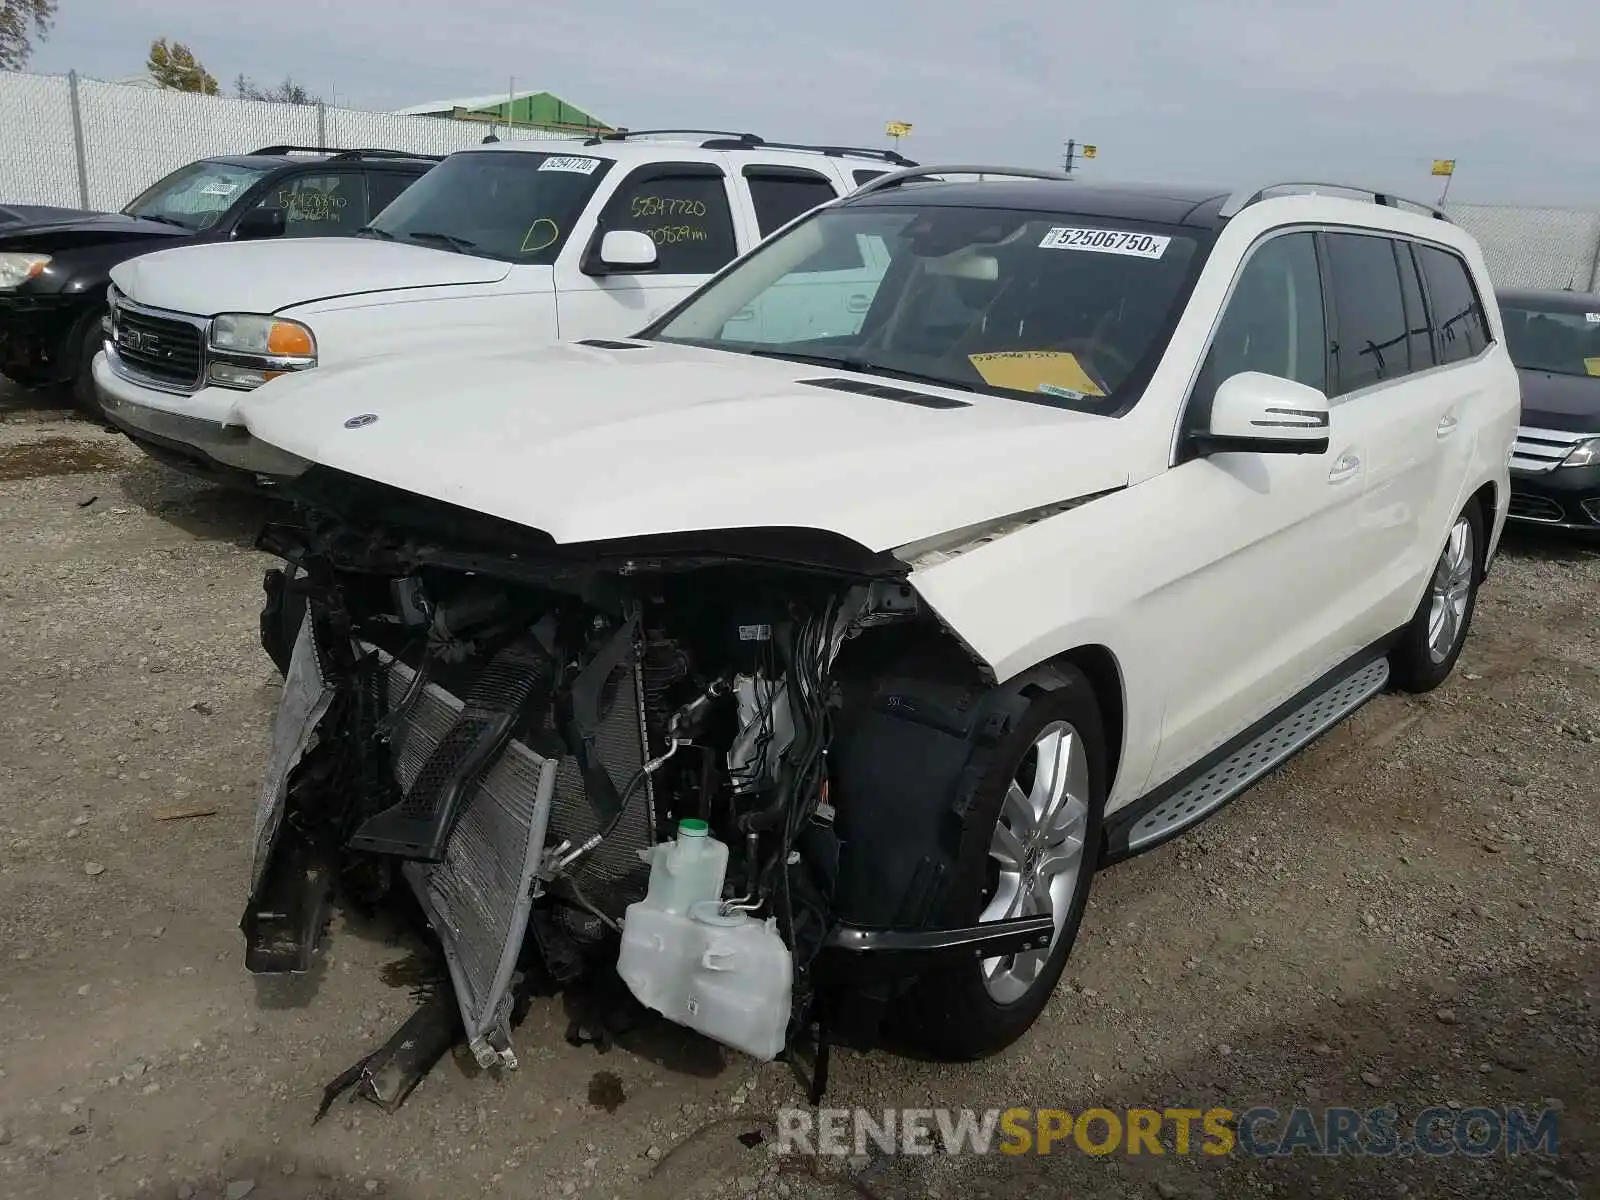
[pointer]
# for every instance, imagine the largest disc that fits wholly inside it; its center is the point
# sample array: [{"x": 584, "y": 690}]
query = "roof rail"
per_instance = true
[
  {"x": 295, "y": 150},
  {"x": 371, "y": 153},
  {"x": 622, "y": 135},
  {"x": 896, "y": 178},
  {"x": 882, "y": 155},
  {"x": 335, "y": 152},
  {"x": 1243, "y": 198}
]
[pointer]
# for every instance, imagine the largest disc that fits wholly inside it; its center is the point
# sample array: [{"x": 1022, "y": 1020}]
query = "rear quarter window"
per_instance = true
[{"x": 1458, "y": 317}]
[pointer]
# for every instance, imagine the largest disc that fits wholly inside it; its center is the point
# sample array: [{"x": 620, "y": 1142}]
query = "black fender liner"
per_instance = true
[{"x": 907, "y": 759}]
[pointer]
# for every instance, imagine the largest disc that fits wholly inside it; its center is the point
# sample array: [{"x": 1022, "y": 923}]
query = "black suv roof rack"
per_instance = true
[
  {"x": 896, "y": 178},
  {"x": 1243, "y": 198},
  {"x": 334, "y": 152},
  {"x": 622, "y": 135},
  {"x": 722, "y": 139}
]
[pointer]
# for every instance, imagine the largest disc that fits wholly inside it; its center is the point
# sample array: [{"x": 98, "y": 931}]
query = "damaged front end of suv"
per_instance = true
[{"x": 514, "y": 732}]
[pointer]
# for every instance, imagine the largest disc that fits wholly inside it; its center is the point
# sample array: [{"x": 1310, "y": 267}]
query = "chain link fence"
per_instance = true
[
  {"x": 1535, "y": 247},
  {"x": 83, "y": 143}
]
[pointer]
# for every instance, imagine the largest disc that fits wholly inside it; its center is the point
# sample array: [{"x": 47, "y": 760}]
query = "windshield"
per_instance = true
[
  {"x": 511, "y": 205},
  {"x": 195, "y": 196},
  {"x": 1056, "y": 308},
  {"x": 1561, "y": 342}
]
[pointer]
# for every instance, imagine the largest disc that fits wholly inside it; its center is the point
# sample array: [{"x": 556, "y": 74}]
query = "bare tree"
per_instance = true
[
  {"x": 175, "y": 66},
  {"x": 287, "y": 92},
  {"x": 20, "y": 22}
]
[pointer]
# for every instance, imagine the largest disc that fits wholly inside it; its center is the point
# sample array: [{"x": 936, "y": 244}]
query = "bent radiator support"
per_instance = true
[
  {"x": 478, "y": 896},
  {"x": 420, "y": 824}
]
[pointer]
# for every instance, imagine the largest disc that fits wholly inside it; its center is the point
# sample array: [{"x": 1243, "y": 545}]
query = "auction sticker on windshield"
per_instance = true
[
  {"x": 1106, "y": 241},
  {"x": 570, "y": 162}
]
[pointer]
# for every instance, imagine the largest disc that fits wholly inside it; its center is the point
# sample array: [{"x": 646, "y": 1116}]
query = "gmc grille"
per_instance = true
[{"x": 160, "y": 348}]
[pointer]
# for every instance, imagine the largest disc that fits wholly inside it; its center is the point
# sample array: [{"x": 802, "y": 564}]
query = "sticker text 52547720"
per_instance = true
[
  {"x": 575, "y": 163},
  {"x": 1106, "y": 241}
]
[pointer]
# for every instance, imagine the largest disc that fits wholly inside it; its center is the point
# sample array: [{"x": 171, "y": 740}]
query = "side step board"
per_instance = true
[{"x": 1197, "y": 799}]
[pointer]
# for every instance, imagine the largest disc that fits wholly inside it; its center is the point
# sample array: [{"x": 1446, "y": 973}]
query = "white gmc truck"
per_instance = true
[{"x": 506, "y": 245}]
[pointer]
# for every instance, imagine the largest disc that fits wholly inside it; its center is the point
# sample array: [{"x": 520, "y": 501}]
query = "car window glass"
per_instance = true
[
  {"x": 517, "y": 206},
  {"x": 989, "y": 299},
  {"x": 1369, "y": 338},
  {"x": 1457, "y": 312},
  {"x": 779, "y": 199},
  {"x": 383, "y": 187},
  {"x": 1419, "y": 332},
  {"x": 1274, "y": 319},
  {"x": 1561, "y": 341},
  {"x": 687, "y": 216},
  {"x": 319, "y": 204},
  {"x": 862, "y": 174},
  {"x": 197, "y": 195}
]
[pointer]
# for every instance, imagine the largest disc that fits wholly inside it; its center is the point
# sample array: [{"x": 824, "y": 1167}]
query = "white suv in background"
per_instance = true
[{"x": 509, "y": 244}]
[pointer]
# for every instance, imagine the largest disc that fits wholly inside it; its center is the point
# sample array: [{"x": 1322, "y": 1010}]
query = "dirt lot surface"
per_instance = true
[{"x": 1409, "y": 913}]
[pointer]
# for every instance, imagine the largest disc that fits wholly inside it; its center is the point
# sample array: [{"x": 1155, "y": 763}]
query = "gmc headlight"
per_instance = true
[
  {"x": 248, "y": 349},
  {"x": 16, "y": 269},
  {"x": 1584, "y": 454}
]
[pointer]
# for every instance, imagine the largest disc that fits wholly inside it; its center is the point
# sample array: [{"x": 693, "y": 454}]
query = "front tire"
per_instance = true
[
  {"x": 1432, "y": 640},
  {"x": 85, "y": 343},
  {"x": 1030, "y": 847}
]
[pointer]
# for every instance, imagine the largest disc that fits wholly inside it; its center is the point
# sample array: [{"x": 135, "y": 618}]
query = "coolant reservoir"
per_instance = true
[
  {"x": 729, "y": 976},
  {"x": 687, "y": 870}
]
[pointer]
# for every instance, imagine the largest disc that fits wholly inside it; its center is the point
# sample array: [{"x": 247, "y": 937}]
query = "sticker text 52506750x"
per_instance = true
[{"x": 1106, "y": 241}]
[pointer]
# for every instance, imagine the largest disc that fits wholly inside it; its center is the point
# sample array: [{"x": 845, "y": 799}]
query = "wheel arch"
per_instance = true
[
  {"x": 1100, "y": 666},
  {"x": 1488, "y": 500}
]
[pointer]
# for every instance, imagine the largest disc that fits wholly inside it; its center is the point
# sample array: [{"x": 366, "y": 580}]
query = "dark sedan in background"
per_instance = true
[
  {"x": 55, "y": 263},
  {"x": 1554, "y": 339}
]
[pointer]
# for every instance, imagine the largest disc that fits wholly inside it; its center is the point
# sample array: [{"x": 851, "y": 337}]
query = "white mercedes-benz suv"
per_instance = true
[{"x": 809, "y": 668}]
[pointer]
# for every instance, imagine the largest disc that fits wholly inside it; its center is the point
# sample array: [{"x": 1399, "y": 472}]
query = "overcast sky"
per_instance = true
[{"x": 1192, "y": 90}]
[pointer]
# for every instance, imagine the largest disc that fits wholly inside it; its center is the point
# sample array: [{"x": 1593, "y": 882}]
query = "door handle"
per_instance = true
[
  {"x": 1447, "y": 424},
  {"x": 858, "y": 303},
  {"x": 1347, "y": 467},
  {"x": 744, "y": 314}
]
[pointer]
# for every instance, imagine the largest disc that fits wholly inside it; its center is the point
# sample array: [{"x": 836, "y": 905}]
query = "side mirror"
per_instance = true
[
  {"x": 1253, "y": 413},
  {"x": 622, "y": 252},
  {"x": 261, "y": 223}
]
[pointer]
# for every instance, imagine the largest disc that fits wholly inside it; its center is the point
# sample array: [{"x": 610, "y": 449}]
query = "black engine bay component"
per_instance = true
[{"x": 518, "y": 737}]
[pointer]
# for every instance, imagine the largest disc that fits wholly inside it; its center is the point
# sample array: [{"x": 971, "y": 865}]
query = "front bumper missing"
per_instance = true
[{"x": 479, "y": 896}]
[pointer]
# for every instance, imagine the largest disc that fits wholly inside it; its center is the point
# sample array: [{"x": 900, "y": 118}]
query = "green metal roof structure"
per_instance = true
[{"x": 533, "y": 109}]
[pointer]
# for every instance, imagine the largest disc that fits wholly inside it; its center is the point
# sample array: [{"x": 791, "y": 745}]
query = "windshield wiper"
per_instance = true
[
  {"x": 160, "y": 219},
  {"x": 374, "y": 231},
  {"x": 449, "y": 239}
]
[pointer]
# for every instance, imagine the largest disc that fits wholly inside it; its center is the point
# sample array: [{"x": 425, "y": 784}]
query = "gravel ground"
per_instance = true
[{"x": 1408, "y": 913}]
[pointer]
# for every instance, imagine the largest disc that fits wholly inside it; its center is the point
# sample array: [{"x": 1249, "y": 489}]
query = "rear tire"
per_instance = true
[
  {"x": 979, "y": 1008},
  {"x": 1428, "y": 648}
]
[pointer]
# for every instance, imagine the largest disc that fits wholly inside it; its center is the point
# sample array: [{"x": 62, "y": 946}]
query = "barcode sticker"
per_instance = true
[
  {"x": 570, "y": 162},
  {"x": 1106, "y": 241}
]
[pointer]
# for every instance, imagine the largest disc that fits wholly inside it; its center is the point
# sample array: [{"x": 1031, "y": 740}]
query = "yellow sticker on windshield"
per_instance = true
[
  {"x": 1051, "y": 371},
  {"x": 1592, "y": 365}
]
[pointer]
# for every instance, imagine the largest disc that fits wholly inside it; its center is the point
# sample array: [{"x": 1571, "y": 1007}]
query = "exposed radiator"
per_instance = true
[{"x": 479, "y": 895}]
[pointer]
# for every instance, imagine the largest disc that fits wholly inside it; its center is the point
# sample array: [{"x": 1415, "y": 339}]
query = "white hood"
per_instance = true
[
  {"x": 588, "y": 444},
  {"x": 277, "y": 273}
]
